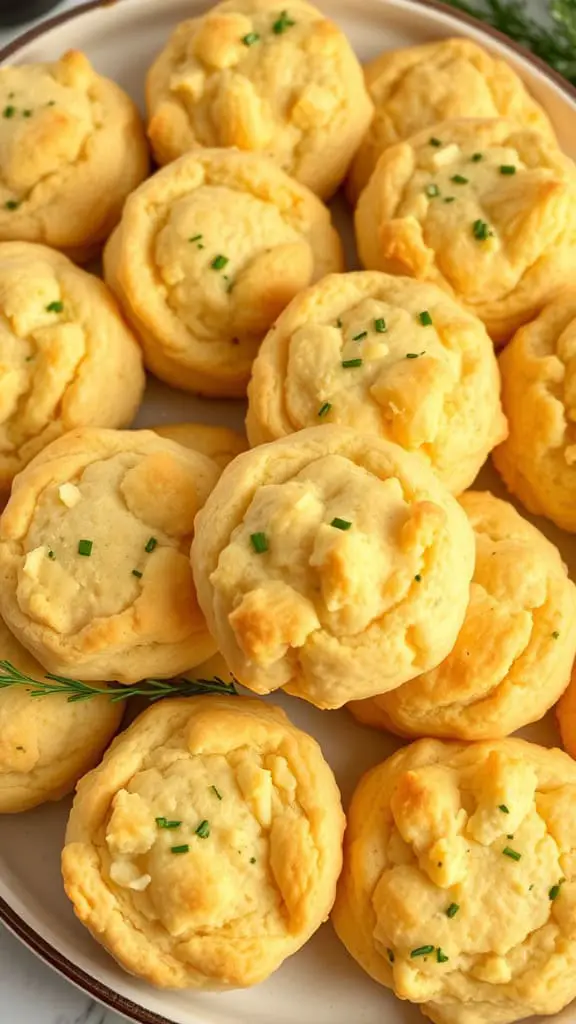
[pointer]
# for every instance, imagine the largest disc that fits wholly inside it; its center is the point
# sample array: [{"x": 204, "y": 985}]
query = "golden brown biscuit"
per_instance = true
[
  {"x": 208, "y": 253},
  {"x": 514, "y": 654},
  {"x": 333, "y": 565},
  {"x": 72, "y": 147},
  {"x": 219, "y": 443},
  {"x": 68, "y": 358},
  {"x": 418, "y": 86},
  {"x": 388, "y": 356},
  {"x": 566, "y": 716},
  {"x": 206, "y": 847},
  {"x": 95, "y": 577},
  {"x": 459, "y": 883},
  {"x": 538, "y": 460},
  {"x": 46, "y": 743},
  {"x": 285, "y": 83},
  {"x": 485, "y": 209}
]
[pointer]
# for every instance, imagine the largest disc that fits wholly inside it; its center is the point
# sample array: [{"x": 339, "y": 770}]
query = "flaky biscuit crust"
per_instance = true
[
  {"x": 483, "y": 208},
  {"x": 125, "y": 609},
  {"x": 459, "y": 881},
  {"x": 69, "y": 359},
  {"x": 432, "y": 389},
  {"x": 46, "y": 743},
  {"x": 72, "y": 147},
  {"x": 209, "y": 251},
  {"x": 256, "y": 813},
  {"x": 538, "y": 460},
  {"x": 514, "y": 654},
  {"x": 244, "y": 74},
  {"x": 364, "y": 579},
  {"x": 219, "y": 443},
  {"x": 418, "y": 86}
]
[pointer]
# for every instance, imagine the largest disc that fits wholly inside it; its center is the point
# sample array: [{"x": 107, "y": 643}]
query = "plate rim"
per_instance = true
[{"x": 14, "y": 923}]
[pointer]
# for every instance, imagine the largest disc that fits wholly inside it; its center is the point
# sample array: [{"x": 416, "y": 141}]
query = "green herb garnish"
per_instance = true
[
  {"x": 216, "y": 792},
  {"x": 203, "y": 830},
  {"x": 391, "y": 956},
  {"x": 51, "y": 556},
  {"x": 481, "y": 230},
  {"x": 421, "y": 951},
  {"x": 434, "y": 142},
  {"x": 555, "y": 634},
  {"x": 85, "y": 547},
  {"x": 418, "y": 578},
  {"x": 453, "y": 910},
  {"x": 380, "y": 325},
  {"x": 513, "y": 854},
  {"x": 252, "y": 860},
  {"x": 9, "y": 111},
  {"x": 219, "y": 262},
  {"x": 282, "y": 23},
  {"x": 425, "y": 318},
  {"x": 180, "y": 849},
  {"x": 507, "y": 169},
  {"x": 26, "y": 113},
  {"x": 503, "y": 808},
  {"x": 476, "y": 157},
  {"x": 150, "y": 544},
  {"x": 137, "y": 573},
  {"x": 55, "y": 307},
  {"x": 349, "y": 363},
  {"x": 250, "y": 39},
  {"x": 359, "y": 337},
  {"x": 340, "y": 524},
  {"x": 459, "y": 179},
  {"x": 449, "y": 199},
  {"x": 166, "y": 823},
  {"x": 196, "y": 238},
  {"x": 12, "y": 204},
  {"x": 554, "y": 892},
  {"x": 432, "y": 191},
  {"x": 441, "y": 956},
  {"x": 324, "y": 409},
  {"x": 259, "y": 542},
  {"x": 414, "y": 355}
]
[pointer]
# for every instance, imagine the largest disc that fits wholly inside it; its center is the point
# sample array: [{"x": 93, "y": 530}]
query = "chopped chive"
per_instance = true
[
  {"x": 441, "y": 956},
  {"x": 459, "y": 179},
  {"x": 347, "y": 364},
  {"x": 418, "y": 578},
  {"x": 554, "y": 892},
  {"x": 425, "y": 318},
  {"x": 54, "y": 307},
  {"x": 196, "y": 238},
  {"x": 137, "y": 573},
  {"x": 250, "y": 39},
  {"x": 51, "y": 556},
  {"x": 414, "y": 355},
  {"x": 219, "y": 262},
  {"x": 511, "y": 836},
  {"x": 432, "y": 191},
  {"x": 180, "y": 849},
  {"x": 434, "y": 142},
  {"x": 391, "y": 956},
  {"x": 203, "y": 830},
  {"x": 555, "y": 634},
  {"x": 26, "y": 113},
  {"x": 166, "y": 823},
  {"x": 340, "y": 524},
  {"x": 513, "y": 854},
  {"x": 282, "y": 23},
  {"x": 150, "y": 545},
  {"x": 530, "y": 887},
  {"x": 380, "y": 325},
  {"x": 252, "y": 860},
  {"x": 339, "y": 322},
  {"x": 452, "y": 910},
  {"x": 324, "y": 409},
  {"x": 85, "y": 547},
  {"x": 476, "y": 157},
  {"x": 216, "y": 792},
  {"x": 51, "y": 103},
  {"x": 9, "y": 111},
  {"x": 481, "y": 230},
  {"x": 12, "y": 204},
  {"x": 503, "y": 808},
  {"x": 421, "y": 951},
  {"x": 359, "y": 337},
  {"x": 507, "y": 169},
  {"x": 449, "y": 199},
  {"x": 259, "y": 542}
]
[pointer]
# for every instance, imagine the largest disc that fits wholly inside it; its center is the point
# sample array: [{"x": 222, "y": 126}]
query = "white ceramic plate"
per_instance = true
[{"x": 321, "y": 984}]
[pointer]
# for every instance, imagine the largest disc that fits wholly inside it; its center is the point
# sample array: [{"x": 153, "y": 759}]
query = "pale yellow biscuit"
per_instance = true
[
  {"x": 46, "y": 743},
  {"x": 514, "y": 654},
  {"x": 95, "y": 577},
  {"x": 459, "y": 883},
  {"x": 68, "y": 358},
  {"x": 353, "y": 350},
  {"x": 209, "y": 251},
  {"x": 282, "y": 82},
  {"x": 333, "y": 565},
  {"x": 416, "y": 87},
  {"x": 538, "y": 460},
  {"x": 485, "y": 209},
  {"x": 72, "y": 146},
  {"x": 246, "y": 869},
  {"x": 219, "y": 443}
]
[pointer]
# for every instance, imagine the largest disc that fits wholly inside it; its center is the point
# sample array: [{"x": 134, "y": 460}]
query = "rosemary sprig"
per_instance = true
[
  {"x": 555, "y": 44},
  {"x": 75, "y": 690}
]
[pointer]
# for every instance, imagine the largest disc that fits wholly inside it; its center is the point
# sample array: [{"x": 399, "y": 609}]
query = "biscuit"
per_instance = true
[
  {"x": 95, "y": 577},
  {"x": 68, "y": 358},
  {"x": 485, "y": 209},
  {"x": 354, "y": 350},
  {"x": 333, "y": 565},
  {"x": 209, "y": 251},
  {"x": 285, "y": 83},
  {"x": 46, "y": 743},
  {"x": 459, "y": 883},
  {"x": 206, "y": 847},
  {"x": 418, "y": 86},
  {"x": 566, "y": 716},
  {"x": 514, "y": 654},
  {"x": 538, "y": 460},
  {"x": 219, "y": 443},
  {"x": 72, "y": 146}
]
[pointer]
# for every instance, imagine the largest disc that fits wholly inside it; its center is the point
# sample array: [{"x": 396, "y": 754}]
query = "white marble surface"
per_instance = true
[{"x": 30, "y": 993}]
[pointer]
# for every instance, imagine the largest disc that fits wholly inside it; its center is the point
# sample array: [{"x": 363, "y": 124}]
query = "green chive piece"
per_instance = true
[
  {"x": 9, "y": 111},
  {"x": 54, "y": 307},
  {"x": 196, "y": 238},
  {"x": 259, "y": 542},
  {"x": 441, "y": 956},
  {"x": 51, "y": 103},
  {"x": 340, "y": 524},
  {"x": 513, "y": 854},
  {"x": 203, "y": 830},
  {"x": 414, "y": 355},
  {"x": 180, "y": 849},
  {"x": 250, "y": 39},
  {"x": 12, "y": 204},
  {"x": 425, "y": 318},
  {"x": 26, "y": 113},
  {"x": 219, "y": 262},
  {"x": 503, "y": 808},
  {"x": 449, "y": 199},
  {"x": 339, "y": 322},
  {"x": 511, "y": 836},
  {"x": 453, "y": 910},
  {"x": 216, "y": 792},
  {"x": 282, "y": 23},
  {"x": 432, "y": 191},
  {"x": 324, "y": 409},
  {"x": 380, "y": 325},
  {"x": 166, "y": 823},
  {"x": 137, "y": 573},
  {"x": 51, "y": 556},
  {"x": 555, "y": 634},
  {"x": 434, "y": 142},
  {"x": 418, "y": 578},
  {"x": 554, "y": 892},
  {"x": 421, "y": 951},
  {"x": 530, "y": 887},
  {"x": 349, "y": 363},
  {"x": 507, "y": 169},
  {"x": 150, "y": 545},
  {"x": 359, "y": 337},
  {"x": 85, "y": 547},
  {"x": 476, "y": 157},
  {"x": 391, "y": 956},
  {"x": 252, "y": 860},
  {"x": 459, "y": 179},
  {"x": 481, "y": 230}
]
